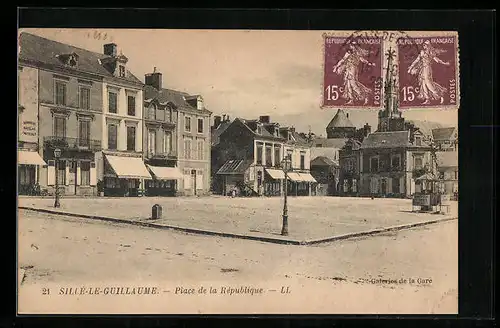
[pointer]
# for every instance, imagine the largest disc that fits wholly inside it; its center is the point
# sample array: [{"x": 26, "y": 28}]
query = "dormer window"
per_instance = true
[
  {"x": 418, "y": 141},
  {"x": 121, "y": 71},
  {"x": 73, "y": 60},
  {"x": 276, "y": 132},
  {"x": 69, "y": 59}
]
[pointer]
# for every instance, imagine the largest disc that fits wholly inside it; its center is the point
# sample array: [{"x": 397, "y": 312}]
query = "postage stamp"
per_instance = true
[
  {"x": 352, "y": 71},
  {"x": 428, "y": 71}
]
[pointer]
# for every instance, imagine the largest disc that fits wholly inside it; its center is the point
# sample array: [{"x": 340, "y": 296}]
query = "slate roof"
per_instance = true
[
  {"x": 443, "y": 133},
  {"x": 340, "y": 120},
  {"x": 324, "y": 161},
  {"x": 218, "y": 131},
  {"x": 386, "y": 140},
  {"x": 36, "y": 49},
  {"x": 235, "y": 166},
  {"x": 165, "y": 96},
  {"x": 426, "y": 127},
  {"x": 330, "y": 143},
  {"x": 447, "y": 158}
]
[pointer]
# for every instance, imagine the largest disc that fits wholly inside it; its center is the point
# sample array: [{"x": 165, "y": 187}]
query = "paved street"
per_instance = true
[
  {"x": 309, "y": 217},
  {"x": 56, "y": 249}
]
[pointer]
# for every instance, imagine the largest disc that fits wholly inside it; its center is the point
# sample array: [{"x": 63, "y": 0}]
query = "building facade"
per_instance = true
[
  {"x": 349, "y": 158},
  {"x": 30, "y": 162},
  {"x": 447, "y": 162},
  {"x": 249, "y": 157},
  {"x": 69, "y": 112},
  {"x": 160, "y": 138}
]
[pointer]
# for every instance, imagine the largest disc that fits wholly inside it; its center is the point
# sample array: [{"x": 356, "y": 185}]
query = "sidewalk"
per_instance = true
[{"x": 311, "y": 220}]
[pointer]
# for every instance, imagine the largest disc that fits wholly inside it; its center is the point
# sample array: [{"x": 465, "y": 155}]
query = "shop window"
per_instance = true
[
  {"x": 85, "y": 173},
  {"x": 61, "y": 172}
]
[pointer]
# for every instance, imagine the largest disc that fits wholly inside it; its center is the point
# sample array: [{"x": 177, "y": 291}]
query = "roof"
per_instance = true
[
  {"x": 330, "y": 143},
  {"x": 235, "y": 166},
  {"x": 36, "y": 49},
  {"x": 165, "y": 96},
  {"x": 218, "y": 131},
  {"x": 426, "y": 127},
  {"x": 447, "y": 158},
  {"x": 340, "y": 120},
  {"x": 324, "y": 161},
  {"x": 443, "y": 133},
  {"x": 352, "y": 143},
  {"x": 386, "y": 140}
]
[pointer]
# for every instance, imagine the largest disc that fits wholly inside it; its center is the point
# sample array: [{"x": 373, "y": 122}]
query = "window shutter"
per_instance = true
[
  {"x": 51, "y": 173},
  {"x": 78, "y": 173},
  {"x": 68, "y": 163},
  {"x": 93, "y": 174},
  {"x": 199, "y": 180},
  {"x": 401, "y": 185},
  {"x": 187, "y": 180}
]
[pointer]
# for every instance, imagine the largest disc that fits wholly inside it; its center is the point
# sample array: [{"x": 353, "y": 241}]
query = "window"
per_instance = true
[
  {"x": 151, "y": 142},
  {"x": 259, "y": 154},
  {"x": 131, "y": 105},
  {"x": 418, "y": 141},
  {"x": 85, "y": 173},
  {"x": 187, "y": 148},
  {"x": 269, "y": 156},
  {"x": 84, "y": 98},
  {"x": 200, "y": 150},
  {"x": 187, "y": 124},
  {"x": 121, "y": 70},
  {"x": 354, "y": 185},
  {"x": 302, "y": 161},
  {"x": 277, "y": 156},
  {"x": 395, "y": 186},
  {"x": 61, "y": 172},
  {"x": 289, "y": 154},
  {"x": 349, "y": 165},
  {"x": 200, "y": 125},
  {"x": 59, "y": 127},
  {"x": 167, "y": 142},
  {"x": 84, "y": 133},
  {"x": 419, "y": 163},
  {"x": 112, "y": 102},
  {"x": 395, "y": 162},
  {"x": 374, "y": 164},
  {"x": 131, "y": 138},
  {"x": 60, "y": 93},
  {"x": 112, "y": 136},
  {"x": 346, "y": 186}
]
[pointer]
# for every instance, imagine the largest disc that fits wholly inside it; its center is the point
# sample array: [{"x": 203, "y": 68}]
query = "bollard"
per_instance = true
[{"x": 156, "y": 212}]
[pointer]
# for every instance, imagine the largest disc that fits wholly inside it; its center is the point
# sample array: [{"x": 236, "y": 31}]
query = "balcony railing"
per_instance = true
[{"x": 72, "y": 143}]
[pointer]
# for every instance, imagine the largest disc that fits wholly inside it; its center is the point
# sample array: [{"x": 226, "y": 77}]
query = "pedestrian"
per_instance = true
[{"x": 233, "y": 192}]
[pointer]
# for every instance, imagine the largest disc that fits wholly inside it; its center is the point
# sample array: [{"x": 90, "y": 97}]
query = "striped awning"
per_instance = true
[
  {"x": 165, "y": 173},
  {"x": 307, "y": 177},
  {"x": 294, "y": 176},
  {"x": 128, "y": 167}
]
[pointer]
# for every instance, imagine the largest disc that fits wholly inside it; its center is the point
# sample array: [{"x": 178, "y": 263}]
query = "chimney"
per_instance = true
[
  {"x": 367, "y": 129},
  {"x": 227, "y": 118},
  {"x": 110, "y": 49},
  {"x": 154, "y": 79},
  {"x": 217, "y": 121},
  {"x": 265, "y": 119}
]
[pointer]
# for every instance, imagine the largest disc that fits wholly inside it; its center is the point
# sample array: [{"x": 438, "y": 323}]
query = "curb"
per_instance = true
[{"x": 239, "y": 236}]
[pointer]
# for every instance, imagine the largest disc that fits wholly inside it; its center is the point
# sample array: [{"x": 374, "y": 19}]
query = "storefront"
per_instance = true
[
  {"x": 301, "y": 184},
  {"x": 273, "y": 181},
  {"x": 29, "y": 163},
  {"x": 164, "y": 180},
  {"x": 124, "y": 176}
]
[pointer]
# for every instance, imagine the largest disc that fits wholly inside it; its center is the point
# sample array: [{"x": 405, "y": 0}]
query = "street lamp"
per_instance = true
[
  {"x": 57, "y": 154},
  {"x": 286, "y": 165}
]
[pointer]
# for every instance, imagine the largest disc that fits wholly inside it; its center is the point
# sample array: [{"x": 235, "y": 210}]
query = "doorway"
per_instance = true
[
  {"x": 193, "y": 181},
  {"x": 383, "y": 186}
]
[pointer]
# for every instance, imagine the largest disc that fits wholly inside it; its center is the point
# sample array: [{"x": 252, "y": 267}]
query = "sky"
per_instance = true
[{"x": 240, "y": 73}]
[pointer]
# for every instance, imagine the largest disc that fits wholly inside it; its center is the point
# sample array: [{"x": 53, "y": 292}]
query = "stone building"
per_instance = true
[
  {"x": 248, "y": 157},
  {"x": 178, "y": 139}
]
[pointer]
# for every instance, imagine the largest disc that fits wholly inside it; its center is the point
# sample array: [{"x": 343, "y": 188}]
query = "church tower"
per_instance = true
[{"x": 390, "y": 119}]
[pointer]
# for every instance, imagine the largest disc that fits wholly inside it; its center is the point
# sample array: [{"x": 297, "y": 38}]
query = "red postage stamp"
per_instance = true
[
  {"x": 428, "y": 71},
  {"x": 352, "y": 72}
]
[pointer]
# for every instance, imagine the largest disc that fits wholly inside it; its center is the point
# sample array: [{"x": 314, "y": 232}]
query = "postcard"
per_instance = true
[{"x": 237, "y": 171}]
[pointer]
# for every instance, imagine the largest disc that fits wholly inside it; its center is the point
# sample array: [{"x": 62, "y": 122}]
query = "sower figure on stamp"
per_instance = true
[
  {"x": 348, "y": 66},
  {"x": 422, "y": 67}
]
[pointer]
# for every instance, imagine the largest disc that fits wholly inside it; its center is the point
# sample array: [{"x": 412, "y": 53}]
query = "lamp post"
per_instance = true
[
  {"x": 286, "y": 168},
  {"x": 57, "y": 154}
]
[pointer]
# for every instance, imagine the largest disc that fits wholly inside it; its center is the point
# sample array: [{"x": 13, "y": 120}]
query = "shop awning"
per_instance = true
[
  {"x": 276, "y": 174},
  {"x": 307, "y": 177},
  {"x": 165, "y": 173},
  {"x": 294, "y": 176},
  {"x": 128, "y": 167},
  {"x": 27, "y": 157}
]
